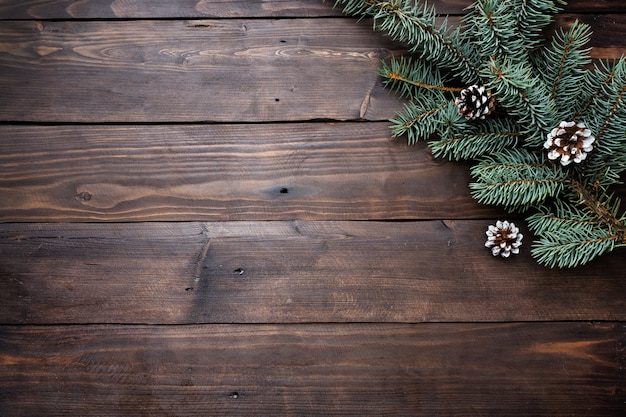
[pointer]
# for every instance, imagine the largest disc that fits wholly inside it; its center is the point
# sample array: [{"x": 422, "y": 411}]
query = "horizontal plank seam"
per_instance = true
[{"x": 315, "y": 323}]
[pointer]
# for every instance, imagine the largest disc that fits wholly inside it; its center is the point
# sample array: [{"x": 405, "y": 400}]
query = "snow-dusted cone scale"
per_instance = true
[
  {"x": 475, "y": 102},
  {"x": 570, "y": 141},
  {"x": 503, "y": 239}
]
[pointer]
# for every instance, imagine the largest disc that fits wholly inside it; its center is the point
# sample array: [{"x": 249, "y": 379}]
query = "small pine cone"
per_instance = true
[
  {"x": 570, "y": 141},
  {"x": 475, "y": 102},
  {"x": 503, "y": 239}
]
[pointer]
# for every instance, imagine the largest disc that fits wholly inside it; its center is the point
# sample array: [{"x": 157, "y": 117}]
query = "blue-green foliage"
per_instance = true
[
  {"x": 494, "y": 31},
  {"x": 605, "y": 115},
  {"x": 471, "y": 141},
  {"x": 561, "y": 69},
  {"x": 515, "y": 179},
  {"x": 536, "y": 85}
]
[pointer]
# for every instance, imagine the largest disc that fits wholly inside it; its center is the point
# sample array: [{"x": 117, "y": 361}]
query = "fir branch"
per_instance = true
[
  {"x": 522, "y": 94},
  {"x": 605, "y": 73},
  {"x": 572, "y": 247},
  {"x": 490, "y": 137},
  {"x": 572, "y": 235},
  {"x": 515, "y": 179},
  {"x": 493, "y": 24},
  {"x": 497, "y": 55},
  {"x": 410, "y": 77},
  {"x": 602, "y": 206},
  {"x": 565, "y": 216},
  {"x": 421, "y": 121},
  {"x": 415, "y": 24},
  {"x": 562, "y": 67},
  {"x": 606, "y": 117},
  {"x": 532, "y": 17}
]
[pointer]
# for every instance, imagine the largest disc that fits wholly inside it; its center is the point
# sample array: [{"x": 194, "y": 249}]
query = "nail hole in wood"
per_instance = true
[
  {"x": 238, "y": 271},
  {"x": 284, "y": 190}
]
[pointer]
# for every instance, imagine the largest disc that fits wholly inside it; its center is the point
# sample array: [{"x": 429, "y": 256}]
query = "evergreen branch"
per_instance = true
[
  {"x": 409, "y": 78},
  {"x": 515, "y": 179},
  {"x": 532, "y": 17},
  {"x": 565, "y": 216},
  {"x": 492, "y": 136},
  {"x": 605, "y": 73},
  {"x": 572, "y": 235},
  {"x": 498, "y": 57},
  {"x": 415, "y": 122},
  {"x": 606, "y": 117},
  {"x": 570, "y": 248},
  {"x": 493, "y": 24},
  {"x": 394, "y": 76},
  {"x": 522, "y": 94},
  {"x": 435, "y": 115},
  {"x": 618, "y": 103},
  {"x": 602, "y": 206},
  {"x": 562, "y": 67},
  {"x": 416, "y": 25}
]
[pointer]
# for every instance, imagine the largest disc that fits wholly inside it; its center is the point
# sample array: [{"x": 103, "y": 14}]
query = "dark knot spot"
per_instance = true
[
  {"x": 84, "y": 196},
  {"x": 284, "y": 190}
]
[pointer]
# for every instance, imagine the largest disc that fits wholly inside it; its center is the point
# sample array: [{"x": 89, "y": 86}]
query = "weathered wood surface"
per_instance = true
[
  {"x": 229, "y": 172},
  {"x": 229, "y": 270},
  {"x": 267, "y": 272},
  {"x": 552, "y": 369},
  {"x": 151, "y": 9},
  {"x": 229, "y": 70}
]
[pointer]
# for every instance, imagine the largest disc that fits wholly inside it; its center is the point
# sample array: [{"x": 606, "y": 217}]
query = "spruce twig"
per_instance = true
[{"x": 546, "y": 133}]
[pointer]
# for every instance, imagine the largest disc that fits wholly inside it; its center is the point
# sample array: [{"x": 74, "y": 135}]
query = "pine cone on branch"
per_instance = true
[
  {"x": 475, "y": 102},
  {"x": 570, "y": 141}
]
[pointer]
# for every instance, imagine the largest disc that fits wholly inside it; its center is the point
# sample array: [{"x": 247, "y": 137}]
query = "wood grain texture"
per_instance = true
[
  {"x": 207, "y": 70},
  {"x": 183, "y": 71},
  {"x": 136, "y": 9},
  {"x": 220, "y": 262},
  {"x": 313, "y": 171},
  {"x": 556, "y": 369},
  {"x": 282, "y": 272}
]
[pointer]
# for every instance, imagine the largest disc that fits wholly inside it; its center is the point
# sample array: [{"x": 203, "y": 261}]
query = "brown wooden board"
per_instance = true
[
  {"x": 232, "y": 156},
  {"x": 182, "y": 71},
  {"x": 206, "y": 70},
  {"x": 281, "y": 272},
  {"x": 226, "y": 172},
  {"x": 100, "y": 9},
  {"x": 555, "y": 369}
]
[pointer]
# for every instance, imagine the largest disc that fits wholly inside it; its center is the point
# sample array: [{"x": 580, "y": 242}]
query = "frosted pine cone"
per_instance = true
[
  {"x": 570, "y": 141},
  {"x": 475, "y": 102},
  {"x": 503, "y": 239}
]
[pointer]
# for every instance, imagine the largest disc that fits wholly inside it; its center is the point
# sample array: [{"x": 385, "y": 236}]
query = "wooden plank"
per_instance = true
[
  {"x": 183, "y": 71},
  {"x": 269, "y": 272},
  {"x": 225, "y": 172},
  {"x": 541, "y": 369},
  {"x": 206, "y": 70},
  {"x": 110, "y": 9},
  {"x": 99, "y": 9}
]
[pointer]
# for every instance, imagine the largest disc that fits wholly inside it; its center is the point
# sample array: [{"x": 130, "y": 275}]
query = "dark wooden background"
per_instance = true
[{"x": 203, "y": 213}]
